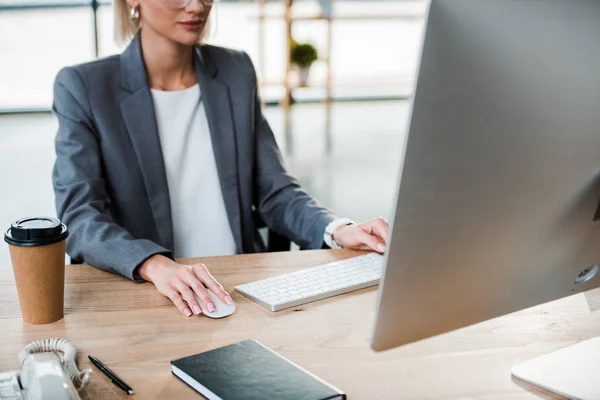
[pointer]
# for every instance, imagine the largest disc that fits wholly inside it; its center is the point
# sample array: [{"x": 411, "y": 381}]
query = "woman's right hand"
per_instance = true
[{"x": 180, "y": 282}]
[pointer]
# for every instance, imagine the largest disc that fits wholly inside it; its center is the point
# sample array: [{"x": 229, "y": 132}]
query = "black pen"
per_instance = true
[{"x": 114, "y": 378}]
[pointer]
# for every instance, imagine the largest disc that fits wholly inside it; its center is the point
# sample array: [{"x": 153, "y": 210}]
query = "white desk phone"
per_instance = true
[{"x": 49, "y": 373}]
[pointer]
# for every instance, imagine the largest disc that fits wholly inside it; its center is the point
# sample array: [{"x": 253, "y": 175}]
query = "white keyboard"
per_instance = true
[
  {"x": 10, "y": 389},
  {"x": 316, "y": 283}
]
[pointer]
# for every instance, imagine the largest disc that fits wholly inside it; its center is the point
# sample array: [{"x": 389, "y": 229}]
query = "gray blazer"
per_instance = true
[{"x": 109, "y": 177}]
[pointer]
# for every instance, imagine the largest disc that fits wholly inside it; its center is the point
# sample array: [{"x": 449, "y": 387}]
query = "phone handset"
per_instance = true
[{"x": 50, "y": 371}]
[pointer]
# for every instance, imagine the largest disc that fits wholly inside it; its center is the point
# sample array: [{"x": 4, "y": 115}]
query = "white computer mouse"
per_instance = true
[{"x": 222, "y": 309}]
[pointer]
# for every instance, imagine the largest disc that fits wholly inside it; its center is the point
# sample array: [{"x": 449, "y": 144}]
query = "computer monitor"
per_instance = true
[{"x": 500, "y": 179}]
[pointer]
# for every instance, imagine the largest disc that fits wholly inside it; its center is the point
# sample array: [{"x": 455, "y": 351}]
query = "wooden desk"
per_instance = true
[{"x": 136, "y": 332}]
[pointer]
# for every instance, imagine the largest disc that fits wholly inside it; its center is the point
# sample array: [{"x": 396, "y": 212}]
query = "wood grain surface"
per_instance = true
[{"x": 137, "y": 332}]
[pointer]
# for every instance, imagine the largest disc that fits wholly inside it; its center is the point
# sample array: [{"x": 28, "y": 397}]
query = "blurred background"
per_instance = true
[{"x": 337, "y": 97}]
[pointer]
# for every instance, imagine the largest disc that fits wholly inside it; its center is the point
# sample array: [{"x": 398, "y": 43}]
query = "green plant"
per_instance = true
[{"x": 303, "y": 54}]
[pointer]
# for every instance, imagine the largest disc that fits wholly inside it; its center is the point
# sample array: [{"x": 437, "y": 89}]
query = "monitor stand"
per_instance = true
[{"x": 572, "y": 372}]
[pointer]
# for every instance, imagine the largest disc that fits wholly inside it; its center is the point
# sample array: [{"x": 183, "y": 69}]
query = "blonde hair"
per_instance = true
[{"x": 125, "y": 29}]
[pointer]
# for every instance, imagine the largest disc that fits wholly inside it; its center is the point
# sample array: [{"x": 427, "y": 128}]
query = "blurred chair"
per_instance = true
[{"x": 272, "y": 241}]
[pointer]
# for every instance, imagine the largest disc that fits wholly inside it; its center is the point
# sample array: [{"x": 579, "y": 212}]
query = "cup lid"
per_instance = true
[{"x": 36, "y": 231}]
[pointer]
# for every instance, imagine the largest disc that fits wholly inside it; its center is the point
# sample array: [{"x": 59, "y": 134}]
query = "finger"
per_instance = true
[
  {"x": 371, "y": 241},
  {"x": 362, "y": 247},
  {"x": 210, "y": 282},
  {"x": 188, "y": 295},
  {"x": 200, "y": 291},
  {"x": 380, "y": 228},
  {"x": 202, "y": 294},
  {"x": 175, "y": 297}
]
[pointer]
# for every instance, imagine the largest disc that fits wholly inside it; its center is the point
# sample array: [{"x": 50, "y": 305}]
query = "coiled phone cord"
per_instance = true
[{"x": 67, "y": 353}]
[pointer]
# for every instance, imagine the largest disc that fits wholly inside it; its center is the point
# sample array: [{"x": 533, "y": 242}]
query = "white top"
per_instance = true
[{"x": 200, "y": 224}]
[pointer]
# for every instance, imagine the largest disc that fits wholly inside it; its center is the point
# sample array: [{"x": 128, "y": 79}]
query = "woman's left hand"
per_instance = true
[{"x": 369, "y": 235}]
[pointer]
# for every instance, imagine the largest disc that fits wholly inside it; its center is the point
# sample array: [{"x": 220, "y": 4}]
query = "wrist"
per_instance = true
[
  {"x": 334, "y": 233},
  {"x": 151, "y": 266},
  {"x": 333, "y": 227}
]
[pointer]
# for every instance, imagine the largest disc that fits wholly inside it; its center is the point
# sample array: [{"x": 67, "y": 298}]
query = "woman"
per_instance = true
[{"x": 163, "y": 151}]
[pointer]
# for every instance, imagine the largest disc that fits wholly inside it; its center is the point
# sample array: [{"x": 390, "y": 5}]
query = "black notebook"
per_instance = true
[{"x": 248, "y": 370}]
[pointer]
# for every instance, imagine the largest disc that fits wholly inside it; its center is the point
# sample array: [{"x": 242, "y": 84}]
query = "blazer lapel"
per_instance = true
[
  {"x": 217, "y": 103},
  {"x": 138, "y": 113}
]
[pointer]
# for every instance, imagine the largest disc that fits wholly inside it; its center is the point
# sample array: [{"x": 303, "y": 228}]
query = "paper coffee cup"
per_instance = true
[{"x": 37, "y": 251}]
